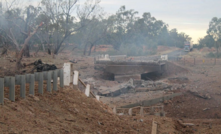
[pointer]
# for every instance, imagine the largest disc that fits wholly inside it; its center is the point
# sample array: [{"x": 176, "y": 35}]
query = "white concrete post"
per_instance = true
[
  {"x": 106, "y": 57},
  {"x": 164, "y": 57},
  {"x": 87, "y": 90},
  {"x": 67, "y": 74},
  {"x": 130, "y": 111},
  {"x": 98, "y": 97},
  {"x": 75, "y": 79},
  {"x": 115, "y": 110}
]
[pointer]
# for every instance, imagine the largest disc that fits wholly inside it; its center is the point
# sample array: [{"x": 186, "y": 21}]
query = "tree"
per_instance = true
[
  {"x": 120, "y": 24},
  {"x": 62, "y": 24},
  {"x": 13, "y": 26},
  {"x": 215, "y": 31}
]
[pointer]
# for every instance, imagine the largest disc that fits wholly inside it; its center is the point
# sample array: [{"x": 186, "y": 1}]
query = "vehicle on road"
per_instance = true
[{"x": 188, "y": 46}]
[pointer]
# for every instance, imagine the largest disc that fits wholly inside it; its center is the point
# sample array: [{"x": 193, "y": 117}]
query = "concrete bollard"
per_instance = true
[
  {"x": 49, "y": 74},
  {"x": 87, "y": 90},
  {"x": 12, "y": 88},
  {"x": 40, "y": 83},
  {"x": 61, "y": 76},
  {"x": 23, "y": 88},
  {"x": 75, "y": 79},
  {"x": 32, "y": 84},
  {"x": 130, "y": 111},
  {"x": 98, "y": 97}
]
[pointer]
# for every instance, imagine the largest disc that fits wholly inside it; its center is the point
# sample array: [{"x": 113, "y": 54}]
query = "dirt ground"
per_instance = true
[{"x": 70, "y": 111}]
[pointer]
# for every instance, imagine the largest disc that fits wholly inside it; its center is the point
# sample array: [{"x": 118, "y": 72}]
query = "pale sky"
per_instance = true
[{"x": 189, "y": 16}]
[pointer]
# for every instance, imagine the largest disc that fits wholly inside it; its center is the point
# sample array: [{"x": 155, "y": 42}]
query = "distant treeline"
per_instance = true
[{"x": 54, "y": 23}]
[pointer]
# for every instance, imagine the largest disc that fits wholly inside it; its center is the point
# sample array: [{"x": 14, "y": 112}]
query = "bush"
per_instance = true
[{"x": 213, "y": 55}]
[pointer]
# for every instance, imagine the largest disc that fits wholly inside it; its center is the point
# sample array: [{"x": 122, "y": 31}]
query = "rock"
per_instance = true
[
  {"x": 141, "y": 120},
  {"x": 98, "y": 132},
  {"x": 120, "y": 114},
  {"x": 100, "y": 123},
  {"x": 166, "y": 102},
  {"x": 205, "y": 109},
  {"x": 36, "y": 98},
  {"x": 204, "y": 96}
]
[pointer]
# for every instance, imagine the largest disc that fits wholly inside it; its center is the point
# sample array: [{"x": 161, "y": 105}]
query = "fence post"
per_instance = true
[
  {"x": 55, "y": 80},
  {"x": 75, "y": 80},
  {"x": 184, "y": 61},
  {"x": 49, "y": 80},
  {"x": 2, "y": 91},
  {"x": 87, "y": 90},
  {"x": 130, "y": 111},
  {"x": 98, "y": 97},
  {"x": 115, "y": 110},
  {"x": 67, "y": 73}
]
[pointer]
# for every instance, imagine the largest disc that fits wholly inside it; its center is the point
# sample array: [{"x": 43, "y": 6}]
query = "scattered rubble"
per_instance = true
[
  {"x": 178, "y": 80},
  {"x": 204, "y": 96},
  {"x": 145, "y": 86},
  {"x": 116, "y": 90}
]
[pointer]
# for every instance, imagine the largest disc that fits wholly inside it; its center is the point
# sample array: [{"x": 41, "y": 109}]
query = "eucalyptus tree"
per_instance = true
[
  {"x": 215, "y": 31},
  {"x": 18, "y": 28},
  {"x": 62, "y": 22},
  {"x": 121, "y": 23}
]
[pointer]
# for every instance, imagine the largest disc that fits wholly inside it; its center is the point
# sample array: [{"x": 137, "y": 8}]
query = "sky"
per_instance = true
[{"x": 189, "y": 16}]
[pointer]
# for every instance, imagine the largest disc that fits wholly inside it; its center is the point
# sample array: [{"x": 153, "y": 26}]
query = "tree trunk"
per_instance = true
[
  {"x": 20, "y": 53},
  {"x": 85, "y": 49},
  {"x": 89, "y": 53},
  {"x": 26, "y": 51},
  {"x": 56, "y": 50},
  {"x": 43, "y": 47},
  {"x": 19, "y": 56},
  {"x": 49, "y": 51},
  {"x": 4, "y": 51}
]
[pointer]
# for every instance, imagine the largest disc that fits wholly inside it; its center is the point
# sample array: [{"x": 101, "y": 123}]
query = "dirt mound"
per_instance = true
[
  {"x": 66, "y": 111},
  {"x": 194, "y": 107},
  {"x": 206, "y": 49},
  {"x": 172, "y": 68}
]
